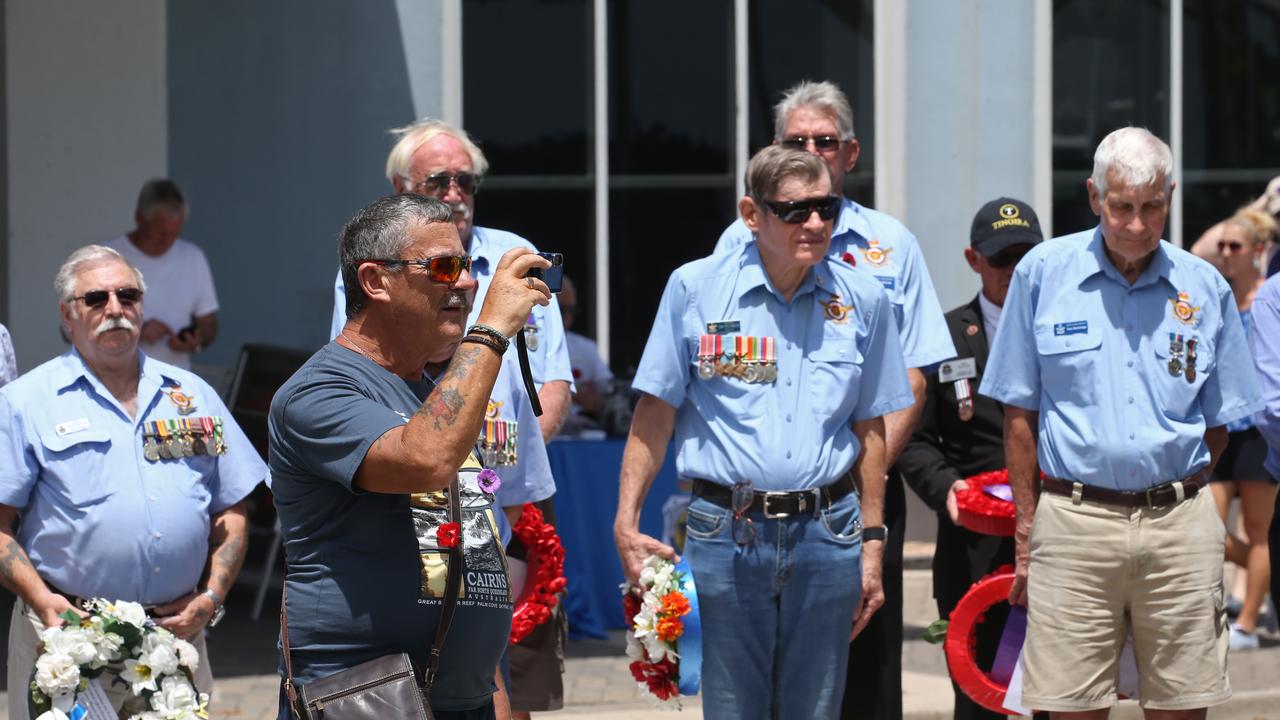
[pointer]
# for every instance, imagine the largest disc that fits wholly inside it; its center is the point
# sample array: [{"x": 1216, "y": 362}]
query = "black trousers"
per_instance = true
[
  {"x": 873, "y": 688},
  {"x": 1273, "y": 540}
]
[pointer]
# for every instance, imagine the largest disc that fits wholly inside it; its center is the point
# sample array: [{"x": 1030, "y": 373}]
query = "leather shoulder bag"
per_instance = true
[{"x": 385, "y": 687}]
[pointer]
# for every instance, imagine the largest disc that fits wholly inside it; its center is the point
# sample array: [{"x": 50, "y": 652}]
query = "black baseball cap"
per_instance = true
[{"x": 1004, "y": 222}]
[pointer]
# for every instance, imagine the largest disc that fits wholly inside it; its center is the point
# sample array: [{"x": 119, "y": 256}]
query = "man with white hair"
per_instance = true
[
  {"x": 433, "y": 158},
  {"x": 816, "y": 116},
  {"x": 128, "y": 474},
  {"x": 1120, "y": 359}
]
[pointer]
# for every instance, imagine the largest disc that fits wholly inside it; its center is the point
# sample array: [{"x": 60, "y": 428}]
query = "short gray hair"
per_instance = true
[
  {"x": 65, "y": 281},
  {"x": 414, "y": 135},
  {"x": 160, "y": 192},
  {"x": 380, "y": 231},
  {"x": 775, "y": 163},
  {"x": 1136, "y": 157},
  {"x": 825, "y": 96}
]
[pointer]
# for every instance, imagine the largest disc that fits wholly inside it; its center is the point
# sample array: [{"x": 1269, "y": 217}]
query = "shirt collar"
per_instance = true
[
  {"x": 72, "y": 368},
  {"x": 479, "y": 261},
  {"x": 751, "y": 275},
  {"x": 1097, "y": 262}
]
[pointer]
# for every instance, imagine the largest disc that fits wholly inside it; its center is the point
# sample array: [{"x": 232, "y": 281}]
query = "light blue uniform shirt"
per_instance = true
[
  {"x": 1091, "y": 353},
  {"x": 1264, "y": 341},
  {"x": 794, "y": 433},
  {"x": 884, "y": 247},
  {"x": 98, "y": 519},
  {"x": 549, "y": 360}
]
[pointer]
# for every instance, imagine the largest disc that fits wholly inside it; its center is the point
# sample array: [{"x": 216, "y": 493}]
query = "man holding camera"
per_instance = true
[
  {"x": 433, "y": 158},
  {"x": 772, "y": 366},
  {"x": 364, "y": 447}
]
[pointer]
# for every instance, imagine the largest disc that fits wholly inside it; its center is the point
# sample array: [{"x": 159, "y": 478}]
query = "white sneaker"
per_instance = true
[{"x": 1240, "y": 639}]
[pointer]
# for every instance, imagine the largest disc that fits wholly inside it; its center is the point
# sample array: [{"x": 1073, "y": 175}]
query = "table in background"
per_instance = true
[{"x": 586, "y": 473}]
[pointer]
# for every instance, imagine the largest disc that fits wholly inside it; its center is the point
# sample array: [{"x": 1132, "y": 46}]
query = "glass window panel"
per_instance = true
[
  {"x": 1110, "y": 69},
  {"x": 556, "y": 220},
  {"x": 837, "y": 46},
  {"x": 671, "y": 87},
  {"x": 527, "y": 84},
  {"x": 1231, "y": 138},
  {"x": 651, "y": 233}
]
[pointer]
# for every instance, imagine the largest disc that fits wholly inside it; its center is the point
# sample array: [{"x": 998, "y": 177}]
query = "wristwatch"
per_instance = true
[
  {"x": 219, "y": 609},
  {"x": 880, "y": 533}
]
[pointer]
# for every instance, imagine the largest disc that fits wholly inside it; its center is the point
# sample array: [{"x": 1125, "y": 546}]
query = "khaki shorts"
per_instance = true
[{"x": 1096, "y": 570}]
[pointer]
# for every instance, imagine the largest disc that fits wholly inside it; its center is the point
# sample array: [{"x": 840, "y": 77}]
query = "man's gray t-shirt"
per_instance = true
[{"x": 366, "y": 574}]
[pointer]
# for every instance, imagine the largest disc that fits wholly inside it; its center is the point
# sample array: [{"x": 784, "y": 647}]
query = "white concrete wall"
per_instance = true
[
  {"x": 87, "y": 125},
  {"x": 967, "y": 127}
]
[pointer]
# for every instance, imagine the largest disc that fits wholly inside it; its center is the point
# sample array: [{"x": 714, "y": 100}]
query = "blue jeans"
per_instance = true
[{"x": 776, "y": 613}]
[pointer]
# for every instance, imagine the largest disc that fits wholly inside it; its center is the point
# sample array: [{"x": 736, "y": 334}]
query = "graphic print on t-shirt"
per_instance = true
[{"x": 484, "y": 579}]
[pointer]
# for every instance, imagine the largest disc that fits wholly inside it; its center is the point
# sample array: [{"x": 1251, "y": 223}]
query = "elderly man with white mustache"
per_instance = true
[{"x": 128, "y": 474}]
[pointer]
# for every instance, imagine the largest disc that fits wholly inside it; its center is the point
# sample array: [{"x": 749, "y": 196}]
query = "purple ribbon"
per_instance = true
[{"x": 1015, "y": 629}]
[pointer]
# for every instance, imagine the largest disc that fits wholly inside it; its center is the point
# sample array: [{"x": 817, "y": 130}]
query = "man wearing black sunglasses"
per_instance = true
[
  {"x": 961, "y": 433},
  {"x": 128, "y": 474},
  {"x": 771, "y": 367},
  {"x": 816, "y": 116}
]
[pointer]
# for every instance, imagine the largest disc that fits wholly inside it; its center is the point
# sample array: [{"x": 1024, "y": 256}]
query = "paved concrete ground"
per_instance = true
[{"x": 597, "y": 683}]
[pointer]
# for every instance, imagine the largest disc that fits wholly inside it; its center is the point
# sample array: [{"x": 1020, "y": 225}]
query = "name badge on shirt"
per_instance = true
[
  {"x": 1075, "y": 327},
  {"x": 953, "y": 370},
  {"x": 724, "y": 327},
  {"x": 72, "y": 426},
  {"x": 888, "y": 281}
]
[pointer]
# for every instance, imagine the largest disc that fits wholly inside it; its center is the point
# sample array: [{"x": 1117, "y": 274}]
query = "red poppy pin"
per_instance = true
[{"x": 447, "y": 535}]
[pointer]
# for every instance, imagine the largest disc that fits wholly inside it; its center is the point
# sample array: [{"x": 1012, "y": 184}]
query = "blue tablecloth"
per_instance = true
[{"x": 586, "y": 473}]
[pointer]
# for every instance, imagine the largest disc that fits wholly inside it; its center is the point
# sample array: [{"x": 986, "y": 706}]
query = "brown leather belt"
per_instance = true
[
  {"x": 777, "y": 504},
  {"x": 1170, "y": 493}
]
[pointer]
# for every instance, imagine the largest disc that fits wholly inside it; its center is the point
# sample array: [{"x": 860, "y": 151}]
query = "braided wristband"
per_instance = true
[
  {"x": 486, "y": 330},
  {"x": 485, "y": 341}
]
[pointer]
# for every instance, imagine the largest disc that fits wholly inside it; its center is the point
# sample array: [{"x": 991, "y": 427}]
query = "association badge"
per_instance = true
[
  {"x": 184, "y": 402},
  {"x": 836, "y": 311},
  {"x": 875, "y": 254},
  {"x": 1183, "y": 310}
]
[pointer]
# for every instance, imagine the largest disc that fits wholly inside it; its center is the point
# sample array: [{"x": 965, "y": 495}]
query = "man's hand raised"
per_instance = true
[{"x": 512, "y": 294}]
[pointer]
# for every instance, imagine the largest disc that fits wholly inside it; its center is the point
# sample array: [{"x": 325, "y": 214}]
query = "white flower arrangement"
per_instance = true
[
  {"x": 157, "y": 665},
  {"x": 654, "y": 610}
]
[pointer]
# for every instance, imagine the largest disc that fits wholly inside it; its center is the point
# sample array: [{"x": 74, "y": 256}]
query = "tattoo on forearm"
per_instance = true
[
  {"x": 462, "y": 361},
  {"x": 442, "y": 407},
  {"x": 11, "y": 556}
]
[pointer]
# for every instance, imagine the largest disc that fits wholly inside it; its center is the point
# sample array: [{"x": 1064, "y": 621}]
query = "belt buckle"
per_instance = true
[
  {"x": 772, "y": 515},
  {"x": 1151, "y": 503}
]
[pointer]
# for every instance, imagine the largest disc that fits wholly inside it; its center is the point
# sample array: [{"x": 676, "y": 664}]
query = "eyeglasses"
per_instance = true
[
  {"x": 1006, "y": 258},
  {"x": 740, "y": 497},
  {"x": 441, "y": 268},
  {"x": 798, "y": 211},
  {"x": 98, "y": 298},
  {"x": 1235, "y": 246},
  {"x": 438, "y": 184},
  {"x": 821, "y": 143}
]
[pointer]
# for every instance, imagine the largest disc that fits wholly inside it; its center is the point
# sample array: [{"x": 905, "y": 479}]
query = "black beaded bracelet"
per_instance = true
[
  {"x": 486, "y": 330},
  {"x": 486, "y": 341}
]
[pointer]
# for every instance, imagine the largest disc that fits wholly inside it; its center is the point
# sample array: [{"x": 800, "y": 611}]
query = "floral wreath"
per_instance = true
[
  {"x": 962, "y": 639},
  {"x": 546, "y": 562},
  {"x": 660, "y": 611},
  {"x": 983, "y": 512},
  {"x": 158, "y": 666}
]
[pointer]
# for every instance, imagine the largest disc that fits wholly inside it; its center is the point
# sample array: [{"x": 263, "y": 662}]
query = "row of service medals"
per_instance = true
[
  {"x": 182, "y": 437},
  {"x": 1176, "y": 366},
  {"x": 753, "y": 359},
  {"x": 498, "y": 442}
]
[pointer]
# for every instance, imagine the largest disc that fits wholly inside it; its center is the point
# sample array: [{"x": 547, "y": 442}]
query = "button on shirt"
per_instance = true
[
  {"x": 793, "y": 433},
  {"x": 1092, "y": 354},
  {"x": 897, "y": 264},
  {"x": 98, "y": 519},
  {"x": 550, "y": 360},
  {"x": 1264, "y": 341}
]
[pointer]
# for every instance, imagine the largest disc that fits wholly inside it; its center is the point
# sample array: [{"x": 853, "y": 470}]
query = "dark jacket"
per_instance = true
[{"x": 944, "y": 449}]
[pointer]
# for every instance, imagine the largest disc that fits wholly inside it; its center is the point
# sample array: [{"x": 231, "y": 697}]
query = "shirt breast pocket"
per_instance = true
[
  {"x": 834, "y": 373},
  {"x": 75, "y": 466},
  {"x": 1069, "y": 365},
  {"x": 1178, "y": 394}
]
